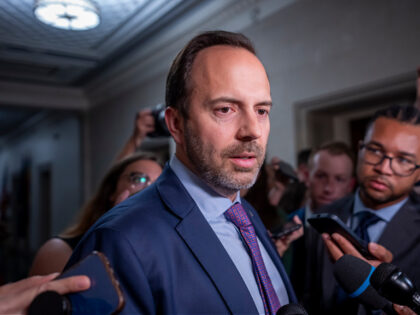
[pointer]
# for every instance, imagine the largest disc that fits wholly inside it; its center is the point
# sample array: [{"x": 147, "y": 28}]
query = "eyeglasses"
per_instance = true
[
  {"x": 138, "y": 180},
  {"x": 400, "y": 165}
]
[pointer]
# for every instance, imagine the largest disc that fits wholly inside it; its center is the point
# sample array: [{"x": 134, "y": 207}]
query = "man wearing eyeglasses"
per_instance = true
[{"x": 383, "y": 211}]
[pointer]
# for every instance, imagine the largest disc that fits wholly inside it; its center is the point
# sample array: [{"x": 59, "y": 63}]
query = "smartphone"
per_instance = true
[
  {"x": 104, "y": 296},
  {"x": 330, "y": 223},
  {"x": 284, "y": 230}
]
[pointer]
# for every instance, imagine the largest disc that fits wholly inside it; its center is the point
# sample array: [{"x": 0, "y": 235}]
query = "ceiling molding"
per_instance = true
[
  {"x": 42, "y": 96},
  {"x": 154, "y": 57}
]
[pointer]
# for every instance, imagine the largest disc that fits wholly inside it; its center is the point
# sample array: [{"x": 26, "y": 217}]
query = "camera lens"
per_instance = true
[{"x": 161, "y": 130}]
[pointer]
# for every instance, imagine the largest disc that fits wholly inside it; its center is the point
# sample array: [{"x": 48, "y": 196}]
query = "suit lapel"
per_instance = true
[
  {"x": 205, "y": 245},
  {"x": 403, "y": 226}
]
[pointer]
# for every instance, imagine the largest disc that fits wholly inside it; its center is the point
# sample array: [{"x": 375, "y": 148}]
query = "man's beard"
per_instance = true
[{"x": 221, "y": 179}]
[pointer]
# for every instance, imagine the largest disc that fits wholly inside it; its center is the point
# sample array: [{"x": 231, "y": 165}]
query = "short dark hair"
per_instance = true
[
  {"x": 404, "y": 114},
  {"x": 334, "y": 148},
  {"x": 303, "y": 156},
  {"x": 177, "y": 81}
]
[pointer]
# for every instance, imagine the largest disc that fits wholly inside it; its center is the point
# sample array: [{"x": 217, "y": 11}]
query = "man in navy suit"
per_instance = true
[
  {"x": 175, "y": 247},
  {"x": 330, "y": 178}
]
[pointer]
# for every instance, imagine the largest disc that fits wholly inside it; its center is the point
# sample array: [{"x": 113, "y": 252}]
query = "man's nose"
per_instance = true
[
  {"x": 385, "y": 166},
  {"x": 329, "y": 185},
  {"x": 250, "y": 127}
]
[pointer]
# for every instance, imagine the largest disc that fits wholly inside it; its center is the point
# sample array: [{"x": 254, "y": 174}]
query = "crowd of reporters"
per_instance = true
[{"x": 328, "y": 179}]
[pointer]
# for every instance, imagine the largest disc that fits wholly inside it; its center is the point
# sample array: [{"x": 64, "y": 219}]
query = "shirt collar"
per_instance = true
[
  {"x": 385, "y": 214},
  {"x": 210, "y": 203}
]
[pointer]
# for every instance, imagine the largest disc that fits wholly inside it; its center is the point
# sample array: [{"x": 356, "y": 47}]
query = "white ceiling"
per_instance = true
[
  {"x": 43, "y": 67},
  {"x": 33, "y": 52},
  {"x": 42, "y": 56}
]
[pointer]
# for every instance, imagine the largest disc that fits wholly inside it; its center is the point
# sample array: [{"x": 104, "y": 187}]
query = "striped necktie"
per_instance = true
[{"x": 237, "y": 215}]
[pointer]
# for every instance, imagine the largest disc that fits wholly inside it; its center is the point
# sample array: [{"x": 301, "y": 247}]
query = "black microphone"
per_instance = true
[
  {"x": 292, "y": 309},
  {"x": 393, "y": 284},
  {"x": 50, "y": 303},
  {"x": 353, "y": 275}
]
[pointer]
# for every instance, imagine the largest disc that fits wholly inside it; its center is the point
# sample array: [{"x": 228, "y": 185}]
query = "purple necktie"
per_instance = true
[{"x": 237, "y": 215}]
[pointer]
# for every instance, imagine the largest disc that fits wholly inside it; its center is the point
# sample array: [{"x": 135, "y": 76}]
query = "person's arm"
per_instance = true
[
  {"x": 16, "y": 297},
  {"x": 143, "y": 124},
  {"x": 51, "y": 257}
]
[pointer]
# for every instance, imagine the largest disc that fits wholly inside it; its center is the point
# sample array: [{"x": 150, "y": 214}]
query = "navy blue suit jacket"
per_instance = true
[{"x": 167, "y": 257}]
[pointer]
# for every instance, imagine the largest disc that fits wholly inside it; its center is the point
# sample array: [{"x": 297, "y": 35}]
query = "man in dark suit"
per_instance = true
[
  {"x": 330, "y": 178},
  {"x": 188, "y": 244},
  {"x": 382, "y": 211}
]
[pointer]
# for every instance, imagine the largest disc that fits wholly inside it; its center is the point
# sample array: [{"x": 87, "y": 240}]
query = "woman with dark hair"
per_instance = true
[{"x": 124, "y": 179}]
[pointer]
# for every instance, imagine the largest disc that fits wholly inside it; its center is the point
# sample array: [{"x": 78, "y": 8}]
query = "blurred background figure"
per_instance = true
[
  {"x": 302, "y": 164},
  {"x": 330, "y": 178},
  {"x": 272, "y": 186},
  {"x": 125, "y": 178},
  {"x": 257, "y": 196}
]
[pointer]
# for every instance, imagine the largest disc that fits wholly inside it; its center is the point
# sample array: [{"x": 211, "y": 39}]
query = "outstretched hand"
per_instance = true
[
  {"x": 338, "y": 246},
  {"x": 16, "y": 297}
]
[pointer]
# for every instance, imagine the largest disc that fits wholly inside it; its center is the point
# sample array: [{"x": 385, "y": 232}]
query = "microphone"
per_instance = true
[
  {"x": 353, "y": 275},
  {"x": 50, "y": 303},
  {"x": 393, "y": 284},
  {"x": 292, "y": 309}
]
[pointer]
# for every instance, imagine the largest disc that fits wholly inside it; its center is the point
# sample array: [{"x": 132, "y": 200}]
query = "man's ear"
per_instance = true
[{"x": 175, "y": 124}]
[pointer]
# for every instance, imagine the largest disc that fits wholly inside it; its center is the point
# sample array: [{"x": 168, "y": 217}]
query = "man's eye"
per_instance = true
[
  {"x": 403, "y": 160},
  {"x": 320, "y": 175},
  {"x": 224, "y": 110},
  {"x": 262, "y": 112},
  {"x": 374, "y": 150}
]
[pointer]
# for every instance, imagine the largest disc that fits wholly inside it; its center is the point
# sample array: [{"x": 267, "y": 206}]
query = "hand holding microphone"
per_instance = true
[
  {"x": 356, "y": 277},
  {"x": 393, "y": 284},
  {"x": 353, "y": 275}
]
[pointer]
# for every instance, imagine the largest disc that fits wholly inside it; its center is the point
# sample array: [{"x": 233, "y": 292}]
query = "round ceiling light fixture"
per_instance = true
[{"x": 76, "y": 15}]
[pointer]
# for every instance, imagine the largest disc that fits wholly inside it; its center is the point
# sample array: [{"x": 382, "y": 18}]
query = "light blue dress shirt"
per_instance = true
[
  {"x": 212, "y": 205},
  {"x": 385, "y": 214}
]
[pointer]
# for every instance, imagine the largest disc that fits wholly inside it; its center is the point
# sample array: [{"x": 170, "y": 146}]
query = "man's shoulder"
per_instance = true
[{"x": 135, "y": 211}]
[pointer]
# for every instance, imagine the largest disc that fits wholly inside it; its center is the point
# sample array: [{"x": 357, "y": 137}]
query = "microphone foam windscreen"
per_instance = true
[
  {"x": 381, "y": 273},
  {"x": 352, "y": 274},
  {"x": 292, "y": 309}
]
